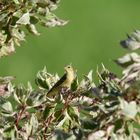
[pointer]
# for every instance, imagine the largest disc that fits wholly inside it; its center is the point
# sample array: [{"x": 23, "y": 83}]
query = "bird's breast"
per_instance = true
[{"x": 68, "y": 81}]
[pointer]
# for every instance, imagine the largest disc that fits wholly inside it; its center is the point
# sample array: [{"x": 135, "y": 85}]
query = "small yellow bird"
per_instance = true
[{"x": 65, "y": 81}]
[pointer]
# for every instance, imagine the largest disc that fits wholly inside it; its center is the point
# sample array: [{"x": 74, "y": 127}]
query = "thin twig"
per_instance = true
[{"x": 19, "y": 116}]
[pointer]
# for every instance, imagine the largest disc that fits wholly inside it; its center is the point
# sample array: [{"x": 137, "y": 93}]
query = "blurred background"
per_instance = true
[{"x": 90, "y": 38}]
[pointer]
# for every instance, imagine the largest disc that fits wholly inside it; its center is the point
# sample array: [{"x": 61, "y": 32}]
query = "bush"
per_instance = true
[{"x": 109, "y": 110}]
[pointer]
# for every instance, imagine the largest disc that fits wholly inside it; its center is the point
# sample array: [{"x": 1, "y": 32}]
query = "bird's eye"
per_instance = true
[{"x": 68, "y": 66}]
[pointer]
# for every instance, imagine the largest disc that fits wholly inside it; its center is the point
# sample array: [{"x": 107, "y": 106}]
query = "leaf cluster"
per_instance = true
[
  {"x": 19, "y": 17},
  {"x": 110, "y": 110}
]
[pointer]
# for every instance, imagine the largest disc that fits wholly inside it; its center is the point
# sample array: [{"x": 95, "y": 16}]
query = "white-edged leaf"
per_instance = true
[
  {"x": 16, "y": 98},
  {"x": 25, "y": 19},
  {"x": 129, "y": 109},
  {"x": 7, "y": 107},
  {"x": 34, "y": 123},
  {"x": 98, "y": 135}
]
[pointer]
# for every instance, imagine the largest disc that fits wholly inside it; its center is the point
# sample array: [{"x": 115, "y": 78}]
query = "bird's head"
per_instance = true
[{"x": 69, "y": 68}]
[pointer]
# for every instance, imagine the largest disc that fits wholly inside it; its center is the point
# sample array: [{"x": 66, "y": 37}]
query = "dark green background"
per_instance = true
[{"x": 91, "y": 37}]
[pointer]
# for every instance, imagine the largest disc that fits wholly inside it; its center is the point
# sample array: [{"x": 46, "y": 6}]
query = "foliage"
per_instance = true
[
  {"x": 19, "y": 16},
  {"x": 108, "y": 110}
]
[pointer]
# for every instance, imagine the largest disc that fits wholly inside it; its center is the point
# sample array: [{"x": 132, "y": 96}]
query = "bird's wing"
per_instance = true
[{"x": 58, "y": 83}]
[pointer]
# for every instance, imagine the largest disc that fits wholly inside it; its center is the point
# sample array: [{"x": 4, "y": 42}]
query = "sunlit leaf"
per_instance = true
[
  {"x": 7, "y": 107},
  {"x": 129, "y": 109},
  {"x": 25, "y": 19}
]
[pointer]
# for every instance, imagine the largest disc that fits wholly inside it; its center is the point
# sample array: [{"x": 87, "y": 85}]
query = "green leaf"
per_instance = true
[
  {"x": 9, "y": 133},
  {"x": 59, "y": 106},
  {"x": 34, "y": 19},
  {"x": 16, "y": 1},
  {"x": 42, "y": 3},
  {"x": 41, "y": 83},
  {"x": 36, "y": 98},
  {"x": 73, "y": 113},
  {"x": 75, "y": 84},
  {"x": 46, "y": 80},
  {"x": 65, "y": 124},
  {"x": 32, "y": 28},
  {"x": 89, "y": 124},
  {"x": 136, "y": 128},
  {"x": 48, "y": 111},
  {"x": 118, "y": 124}
]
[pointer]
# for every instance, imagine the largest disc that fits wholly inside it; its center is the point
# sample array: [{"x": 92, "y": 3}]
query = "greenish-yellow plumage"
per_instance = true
[{"x": 65, "y": 81}]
